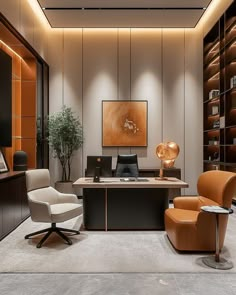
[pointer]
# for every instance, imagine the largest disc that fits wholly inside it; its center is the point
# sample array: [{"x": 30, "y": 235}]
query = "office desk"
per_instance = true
[{"x": 131, "y": 205}]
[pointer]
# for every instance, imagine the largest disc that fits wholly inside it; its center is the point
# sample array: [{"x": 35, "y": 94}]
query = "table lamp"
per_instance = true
[{"x": 167, "y": 152}]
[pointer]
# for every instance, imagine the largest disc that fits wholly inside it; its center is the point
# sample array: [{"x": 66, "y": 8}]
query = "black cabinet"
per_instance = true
[
  {"x": 167, "y": 172},
  {"x": 13, "y": 201}
]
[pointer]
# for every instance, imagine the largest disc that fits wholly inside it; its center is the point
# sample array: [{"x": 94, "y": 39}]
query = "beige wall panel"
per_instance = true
[
  {"x": 55, "y": 58},
  {"x": 193, "y": 151},
  {"x": 173, "y": 90},
  {"x": 99, "y": 83},
  {"x": 73, "y": 70},
  {"x": 41, "y": 35},
  {"x": 124, "y": 86},
  {"x": 73, "y": 87},
  {"x": 27, "y": 22},
  {"x": 124, "y": 64},
  {"x": 11, "y": 10},
  {"x": 146, "y": 84}
]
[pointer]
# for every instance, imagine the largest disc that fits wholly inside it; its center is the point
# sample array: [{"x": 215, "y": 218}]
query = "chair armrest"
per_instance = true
[
  {"x": 67, "y": 198},
  {"x": 187, "y": 203},
  {"x": 40, "y": 211}
]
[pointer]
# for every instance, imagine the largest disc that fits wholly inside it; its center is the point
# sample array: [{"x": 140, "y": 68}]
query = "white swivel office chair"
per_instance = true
[{"x": 48, "y": 205}]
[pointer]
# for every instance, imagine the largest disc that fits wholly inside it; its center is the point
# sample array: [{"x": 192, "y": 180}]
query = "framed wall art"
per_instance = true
[
  {"x": 3, "y": 163},
  {"x": 124, "y": 123}
]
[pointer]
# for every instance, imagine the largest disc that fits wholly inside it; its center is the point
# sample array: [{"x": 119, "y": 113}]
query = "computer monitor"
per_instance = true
[{"x": 103, "y": 163}]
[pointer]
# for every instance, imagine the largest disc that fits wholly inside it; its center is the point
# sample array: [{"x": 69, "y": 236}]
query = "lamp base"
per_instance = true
[
  {"x": 222, "y": 264},
  {"x": 161, "y": 178}
]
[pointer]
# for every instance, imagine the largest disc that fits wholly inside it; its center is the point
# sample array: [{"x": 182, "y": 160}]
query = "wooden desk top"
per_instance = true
[{"x": 115, "y": 182}]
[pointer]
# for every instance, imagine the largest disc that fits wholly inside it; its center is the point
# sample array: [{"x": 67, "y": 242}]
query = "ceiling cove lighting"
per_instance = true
[
  {"x": 38, "y": 12},
  {"x": 4, "y": 44},
  {"x": 212, "y": 8}
]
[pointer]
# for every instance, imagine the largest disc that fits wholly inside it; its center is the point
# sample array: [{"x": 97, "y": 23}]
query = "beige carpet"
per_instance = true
[{"x": 123, "y": 251}]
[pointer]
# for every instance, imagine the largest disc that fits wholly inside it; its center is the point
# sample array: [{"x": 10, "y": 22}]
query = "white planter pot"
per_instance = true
[{"x": 64, "y": 187}]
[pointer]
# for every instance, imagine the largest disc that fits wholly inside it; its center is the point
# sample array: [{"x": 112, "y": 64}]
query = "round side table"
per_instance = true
[{"x": 216, "y": 261}]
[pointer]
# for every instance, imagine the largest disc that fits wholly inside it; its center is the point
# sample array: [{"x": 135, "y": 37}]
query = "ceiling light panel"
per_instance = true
[
  {"x": 123, "y": 13},
  {"x": 124, "y": 3},
  {"x": 123, "y": 19}
]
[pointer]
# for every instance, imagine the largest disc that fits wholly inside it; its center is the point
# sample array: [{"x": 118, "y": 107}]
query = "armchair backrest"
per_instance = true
[
  {"x": 217, "y": 185},
  {"x": 127, "y": 166},
  {"x": 38, "y": 178},
  {"x": 38, "y": 186}
]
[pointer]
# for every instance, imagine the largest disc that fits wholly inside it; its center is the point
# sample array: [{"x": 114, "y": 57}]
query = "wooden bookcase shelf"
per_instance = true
[{"x": 219, "y": 103}]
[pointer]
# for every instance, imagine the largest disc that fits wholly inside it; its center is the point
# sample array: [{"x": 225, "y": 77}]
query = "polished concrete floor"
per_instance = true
[{"x": 118, "y": 284}]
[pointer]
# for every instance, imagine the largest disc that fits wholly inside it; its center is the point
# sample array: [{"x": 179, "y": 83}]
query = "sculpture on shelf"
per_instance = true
[{"x": 167, "y": 152}]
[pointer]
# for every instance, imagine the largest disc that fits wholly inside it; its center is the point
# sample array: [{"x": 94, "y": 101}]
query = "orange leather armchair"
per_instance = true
[{"x": 190, "y": 229}]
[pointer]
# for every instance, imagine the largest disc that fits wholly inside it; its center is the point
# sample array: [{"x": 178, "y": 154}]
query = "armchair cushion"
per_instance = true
[
  {"x": 193, "y": 202},
  {"x": 64, "y": 211}
]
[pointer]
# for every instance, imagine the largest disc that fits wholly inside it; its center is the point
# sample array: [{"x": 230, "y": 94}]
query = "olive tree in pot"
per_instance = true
[{"x": 65, "y": 137}]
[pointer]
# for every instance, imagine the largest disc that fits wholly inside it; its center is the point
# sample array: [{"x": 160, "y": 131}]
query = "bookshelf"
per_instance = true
[{"x": 219, "y": 103}]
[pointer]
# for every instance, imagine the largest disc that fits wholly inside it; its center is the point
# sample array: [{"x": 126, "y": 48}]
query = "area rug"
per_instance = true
[{"x": 104, "y": 252}]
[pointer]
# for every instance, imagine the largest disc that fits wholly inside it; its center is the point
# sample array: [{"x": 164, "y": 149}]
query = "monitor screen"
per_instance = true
[{"x": 103, "y": 162}]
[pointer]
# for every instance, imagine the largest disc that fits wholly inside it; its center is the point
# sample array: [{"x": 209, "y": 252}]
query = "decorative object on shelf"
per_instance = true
[
  {"x": 222, "y": 122},
  {"x": 65, "y": 137},
  {"x": 20, "y": 160},
  {"x": 234, "y": 140},
  {"x": 3, "y": 163},
  {"x": 233, "y": 82},
  {"x": 215, "y": 110},
  {"x": 124, "y": 123},
  {"x": 213, "y": 141},
  {"x": 216, "y": 156},
  {"x": 214, "y": 93},
  {"x": 216, "y": 124},
  {"x": 167, "y": 152}
]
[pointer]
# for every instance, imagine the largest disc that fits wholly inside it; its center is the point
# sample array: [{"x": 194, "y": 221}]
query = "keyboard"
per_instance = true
[{"x": 129, "y": 179}]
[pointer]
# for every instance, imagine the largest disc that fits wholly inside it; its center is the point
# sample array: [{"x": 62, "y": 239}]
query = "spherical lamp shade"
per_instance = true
[{"x": 167, "y": 152}]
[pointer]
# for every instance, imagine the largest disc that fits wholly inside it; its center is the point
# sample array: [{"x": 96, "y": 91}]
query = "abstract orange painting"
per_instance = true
[{"x": 124, "y": 123}]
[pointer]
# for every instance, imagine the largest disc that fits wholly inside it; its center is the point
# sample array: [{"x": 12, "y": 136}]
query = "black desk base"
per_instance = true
[{"x": 124, "y": 208}]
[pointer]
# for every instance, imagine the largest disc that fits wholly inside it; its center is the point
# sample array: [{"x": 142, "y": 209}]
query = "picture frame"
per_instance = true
[
  {"x": 3, "y": 163},
  {"x": 124, "y": 123}
]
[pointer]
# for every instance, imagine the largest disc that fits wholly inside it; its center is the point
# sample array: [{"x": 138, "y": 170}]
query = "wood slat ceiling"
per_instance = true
[{"x": 123, "y": 13}]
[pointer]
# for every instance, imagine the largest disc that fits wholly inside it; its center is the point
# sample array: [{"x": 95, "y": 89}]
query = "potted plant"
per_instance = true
[{"x": 65, "y": 137}]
